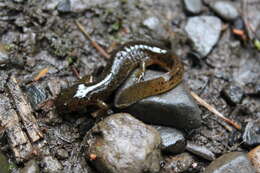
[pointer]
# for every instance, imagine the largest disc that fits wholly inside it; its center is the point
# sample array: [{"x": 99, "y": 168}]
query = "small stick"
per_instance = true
[
  {"x": 74, "y": 70},
  {"x": 213, "y": 110},
  {"x": 41, "y": 74},
  {"x": 93, "y": 42}
]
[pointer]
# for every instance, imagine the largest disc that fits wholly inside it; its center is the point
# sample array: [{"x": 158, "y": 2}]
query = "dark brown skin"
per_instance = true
[{"x": 125, "y": 59}]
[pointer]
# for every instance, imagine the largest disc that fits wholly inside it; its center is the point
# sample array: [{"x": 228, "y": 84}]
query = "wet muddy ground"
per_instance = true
[{"x": 42, "y": 37}]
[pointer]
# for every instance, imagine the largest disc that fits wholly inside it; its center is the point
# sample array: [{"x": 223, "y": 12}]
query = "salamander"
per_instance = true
[{"x": 125, "y": 59}]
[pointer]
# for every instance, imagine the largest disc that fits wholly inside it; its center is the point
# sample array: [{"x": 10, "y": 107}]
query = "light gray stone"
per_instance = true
[{"x": 204, "y": 32}]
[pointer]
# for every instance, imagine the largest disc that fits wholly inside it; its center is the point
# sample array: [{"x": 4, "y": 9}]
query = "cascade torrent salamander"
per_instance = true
[{"x": 124, "y": 60}]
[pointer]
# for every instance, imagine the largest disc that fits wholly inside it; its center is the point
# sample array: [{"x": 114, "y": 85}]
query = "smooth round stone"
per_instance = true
[
  {"x": 175, "y": 108},
  {"x": 193, "y": 6},
  {"x": 173, "y": 140},
  {"x": 200, "y": 151},
  {"x": 225, "y": 9},
  {"x": 234, "y": 162},
  {"x": 121, "y": 143},
  {"x": 204, "y": 32},
  {"x": 251, "y": 134}
]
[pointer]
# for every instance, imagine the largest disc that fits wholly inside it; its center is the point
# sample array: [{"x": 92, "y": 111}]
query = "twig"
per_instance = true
[
  {"x": 41, "y": 74},
  {"x": 93, "y": 42},
  {"x": 213, "y": 110},
  {"x": 74, "y": 70}
]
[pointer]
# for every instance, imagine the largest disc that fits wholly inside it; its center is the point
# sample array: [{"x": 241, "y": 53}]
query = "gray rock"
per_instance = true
[
  {"x": 193, "y": 6},
  {"x": 251, "y": 134},
  {"x": 62, "y": 154},
  {"x": 3, "y": 55},
  {"x": 225, "y": 9},
  {"x": 30, "y": 167},
  {"x": 151, "y": 23},
  {"x": 173, "y": 140},
  {"x": 78, "y": 6},
  {"x": 232, "y": 93},
  {"x": 51, "y": 165},
  {"x": 36, "y": 94},
  {"x": 204, "y": 32},
  {"x": 175, "y": 108},
  {"x": 122, "y": 144},
  {"x": 178, "y": 164},
  {"x": 234, "y": 162},
  {"x": 64, "y": 6},
  {"x": 51, "y": 4},
  {"x": 200, "y": 151},
  {"x": 155, "y": 25},
  {"x": 4, "y": 165}
]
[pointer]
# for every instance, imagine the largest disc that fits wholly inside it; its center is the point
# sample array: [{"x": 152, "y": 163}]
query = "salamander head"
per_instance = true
[{"x": 72, "y": 100}]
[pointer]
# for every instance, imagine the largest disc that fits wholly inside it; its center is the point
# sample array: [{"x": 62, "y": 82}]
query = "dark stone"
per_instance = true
[
  {"x": 204, "y": 32},
  {"x": 251, "y": 134},
  {"x": 225, "y": 9},
  {"x": 36, "y": 94},
  {"x": 62, "y": 154},
  {"x": 232, "y": 93},
  {"x": 178, "y": 164},
  {"x": 234, "y": 162},
  {"x": 30, "y": 167},
  {"x": 121, "y": 143},
  {"x": 175, "y": 108},
  {"x": 173, "y": 140},
  {"x": 200, "y": 151},
  {"x": 193, "y": 6}
]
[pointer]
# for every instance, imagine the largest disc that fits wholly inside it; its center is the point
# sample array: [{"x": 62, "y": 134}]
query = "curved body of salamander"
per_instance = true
[{"x": 125, "y": 59}]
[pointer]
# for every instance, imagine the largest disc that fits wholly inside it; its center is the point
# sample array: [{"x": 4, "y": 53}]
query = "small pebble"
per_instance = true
[
  {"x": 234, "y": 162},
  {"x": 232, "y": 93},
  {"x": 200, "y": 151},
  {"x": 193, "y": 6},
  {"x": 64, "y": 6},
  {"x": 151, "y": 23},
  {"x": 173, "y": 140},
  {"x": 204, "y": 32},
  {"x": 225, "y": 9},
  {"x": 36, "y": 94},
  {"x": 178, "y": 164},
  {"x": 62, "y": 154},
  {"x": 251, "y": 134}
]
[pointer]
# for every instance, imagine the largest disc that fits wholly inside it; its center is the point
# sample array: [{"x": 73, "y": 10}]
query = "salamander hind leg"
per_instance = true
[{"x": 141, "y": 71}]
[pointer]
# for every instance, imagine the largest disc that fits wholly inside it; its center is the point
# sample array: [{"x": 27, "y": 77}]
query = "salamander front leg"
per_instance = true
[
  {"x": 103, "y": 107},
  {"x": 88, "y": 79},
  {"x": 140, "y": 73}
]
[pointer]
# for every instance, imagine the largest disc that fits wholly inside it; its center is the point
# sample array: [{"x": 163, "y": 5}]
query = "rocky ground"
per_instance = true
[{"x": 42, "y": 50}]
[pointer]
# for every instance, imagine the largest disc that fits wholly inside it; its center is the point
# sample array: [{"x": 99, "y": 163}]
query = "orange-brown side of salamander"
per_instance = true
[{"x": 124, "y": 60}]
